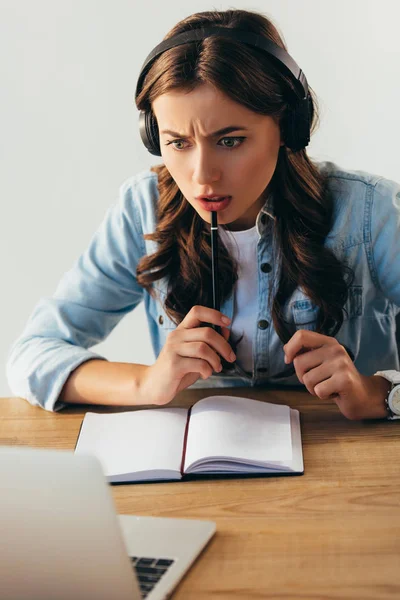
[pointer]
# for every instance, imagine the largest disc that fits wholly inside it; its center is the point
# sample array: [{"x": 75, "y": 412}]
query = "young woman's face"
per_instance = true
[{"x": 239, "y": 163}]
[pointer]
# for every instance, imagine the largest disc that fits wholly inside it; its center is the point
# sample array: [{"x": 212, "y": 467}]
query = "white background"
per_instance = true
[{"x": 69, "y": 134}]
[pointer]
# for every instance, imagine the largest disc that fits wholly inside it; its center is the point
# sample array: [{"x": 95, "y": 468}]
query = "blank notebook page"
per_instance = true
[
  {"x": 129, "y": 442},
  {"x": 240, "y": 428}
]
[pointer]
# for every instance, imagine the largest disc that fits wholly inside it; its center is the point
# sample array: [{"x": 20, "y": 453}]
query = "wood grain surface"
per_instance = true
[{"x": 332, "y": 533}]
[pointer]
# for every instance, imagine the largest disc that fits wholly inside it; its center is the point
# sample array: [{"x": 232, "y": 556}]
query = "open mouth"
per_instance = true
[
  {"x": 215, "y": 199},
  {"x": 213, "y": 204}
]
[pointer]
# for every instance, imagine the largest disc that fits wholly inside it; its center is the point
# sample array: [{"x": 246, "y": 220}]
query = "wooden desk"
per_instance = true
[{"x": 332, "y": 533}]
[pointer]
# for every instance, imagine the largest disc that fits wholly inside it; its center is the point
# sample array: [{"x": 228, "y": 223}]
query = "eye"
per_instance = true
[
  {"x": 234, "y": 139},
  {"x": 175, "y": 142},
  {"x": 240, "y": 141}
]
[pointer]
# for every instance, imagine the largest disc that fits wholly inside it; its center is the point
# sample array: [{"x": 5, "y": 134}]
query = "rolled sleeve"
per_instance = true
[
  {"x": 88, "y": 303},
  {"x": 385, "y": 238}
]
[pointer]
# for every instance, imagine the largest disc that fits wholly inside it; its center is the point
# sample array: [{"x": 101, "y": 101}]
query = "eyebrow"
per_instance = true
[{"x": 214, "y": 134}]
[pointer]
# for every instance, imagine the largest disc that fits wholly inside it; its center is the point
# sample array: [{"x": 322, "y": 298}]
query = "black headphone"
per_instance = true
[{"x": 295, "y": 127}]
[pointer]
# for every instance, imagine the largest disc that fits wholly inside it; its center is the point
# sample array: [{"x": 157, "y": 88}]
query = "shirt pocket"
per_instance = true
[{"x": 305, "y": 312}]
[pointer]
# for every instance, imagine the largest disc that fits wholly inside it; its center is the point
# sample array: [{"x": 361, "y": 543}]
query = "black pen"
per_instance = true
[{"x": 214, "y": 265}]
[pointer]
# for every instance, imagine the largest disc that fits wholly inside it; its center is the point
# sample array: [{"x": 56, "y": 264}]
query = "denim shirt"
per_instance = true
[{"x": 101, "y": 288}]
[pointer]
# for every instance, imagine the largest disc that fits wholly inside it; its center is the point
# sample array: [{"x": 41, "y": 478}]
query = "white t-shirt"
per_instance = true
[{"x": 242, "y": 245}]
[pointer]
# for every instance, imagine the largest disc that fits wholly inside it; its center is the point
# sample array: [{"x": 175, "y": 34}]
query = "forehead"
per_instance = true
[{"x": 205, "y": 103}]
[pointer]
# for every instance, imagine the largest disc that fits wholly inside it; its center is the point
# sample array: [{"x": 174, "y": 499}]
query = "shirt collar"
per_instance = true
[{"x": 266, "y": 213}]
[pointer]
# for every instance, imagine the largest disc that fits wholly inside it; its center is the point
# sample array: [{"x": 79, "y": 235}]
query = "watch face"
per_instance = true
[{"x": 394, "y": 400}]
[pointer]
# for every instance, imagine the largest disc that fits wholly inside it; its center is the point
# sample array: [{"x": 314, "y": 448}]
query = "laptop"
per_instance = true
[{"x": 60, "y": 537}]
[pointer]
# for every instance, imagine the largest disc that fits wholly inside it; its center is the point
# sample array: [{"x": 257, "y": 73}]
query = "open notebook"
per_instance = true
[{"x": 219, "y": 435}]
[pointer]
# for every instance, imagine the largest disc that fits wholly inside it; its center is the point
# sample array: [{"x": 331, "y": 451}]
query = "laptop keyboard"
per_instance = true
[{"x": 149, "y": 571}]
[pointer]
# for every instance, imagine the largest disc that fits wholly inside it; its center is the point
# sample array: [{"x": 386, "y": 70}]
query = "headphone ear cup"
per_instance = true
[
  {"x": 148, "y": 128},
  {"x": 297, "y": 123},
  {"x": 154, "y": 134}
]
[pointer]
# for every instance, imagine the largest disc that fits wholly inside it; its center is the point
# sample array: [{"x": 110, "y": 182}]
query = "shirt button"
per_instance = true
[
  {"x": 161, "y": 319},
  {"x": 263, "y": 324},
  {"x": 266, "y": 268}
]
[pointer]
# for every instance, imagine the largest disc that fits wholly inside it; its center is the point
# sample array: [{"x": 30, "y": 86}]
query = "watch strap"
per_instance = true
[
  {"x": 391, "y": 416},
  {"x": 391, "y": 375}
]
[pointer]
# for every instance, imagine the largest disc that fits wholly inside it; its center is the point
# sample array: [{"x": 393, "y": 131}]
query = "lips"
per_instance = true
[{"x": 215, "y": 203}]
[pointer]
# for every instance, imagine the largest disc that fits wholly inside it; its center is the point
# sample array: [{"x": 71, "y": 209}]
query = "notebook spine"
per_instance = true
[{"x": 185, "y": 441}]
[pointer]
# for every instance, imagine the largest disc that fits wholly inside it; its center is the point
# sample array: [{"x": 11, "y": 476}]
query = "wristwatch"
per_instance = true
[{"x": 393, "y": 398}]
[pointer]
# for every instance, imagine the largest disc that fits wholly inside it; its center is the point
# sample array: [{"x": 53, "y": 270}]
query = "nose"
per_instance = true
[{"x": 205, "y": 168}]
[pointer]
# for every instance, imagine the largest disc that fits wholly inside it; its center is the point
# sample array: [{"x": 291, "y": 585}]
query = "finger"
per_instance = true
[
  {"x": 225, "y": 332},
  {"x": 195, "y": 365},
  {"x": 303, "y": 341},
  {"x": 315, "y": 376},
  {"x": 203, "y": 351},
  {"x": 215, "y": 340},
  {"x": 307, "y": 360},
  {"x": 334, "y": 355},
  {"x": 327, "y": 390},
  {"x": 202, "y": 314}
]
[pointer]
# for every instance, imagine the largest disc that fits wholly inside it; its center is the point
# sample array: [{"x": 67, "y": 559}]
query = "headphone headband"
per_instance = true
[{"x": 284, "y": 61}]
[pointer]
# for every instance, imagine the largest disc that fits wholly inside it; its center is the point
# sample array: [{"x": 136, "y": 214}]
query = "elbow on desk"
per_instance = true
[{"x": 37, "y": 368}]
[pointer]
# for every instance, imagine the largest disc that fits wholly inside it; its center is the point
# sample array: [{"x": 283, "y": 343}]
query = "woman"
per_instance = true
[{"x": 309, "y": 268}]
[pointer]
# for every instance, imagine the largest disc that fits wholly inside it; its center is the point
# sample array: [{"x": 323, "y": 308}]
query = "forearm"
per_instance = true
[{"x": 107, "y": 383}]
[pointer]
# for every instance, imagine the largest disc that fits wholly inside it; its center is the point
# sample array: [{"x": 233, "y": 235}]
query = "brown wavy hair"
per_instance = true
[{"x": 304, "y": 210}]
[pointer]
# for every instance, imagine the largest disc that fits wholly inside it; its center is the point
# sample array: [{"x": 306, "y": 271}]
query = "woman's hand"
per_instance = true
[
  {"x": 325, "y": 368},
  {"x": 190, "y": 351}
]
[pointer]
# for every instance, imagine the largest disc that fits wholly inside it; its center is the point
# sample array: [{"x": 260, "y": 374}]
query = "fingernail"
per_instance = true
[
  {"x": 225, "y": 320},
  {"x": 286, "y": 359},
  {"x": 232, "y": 356}
]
